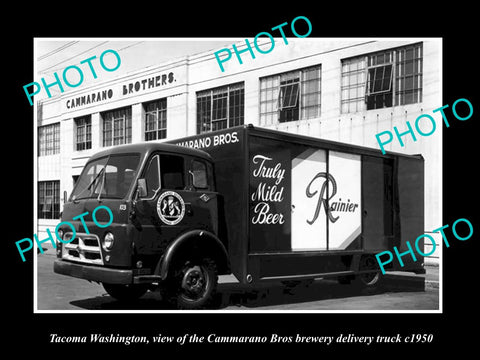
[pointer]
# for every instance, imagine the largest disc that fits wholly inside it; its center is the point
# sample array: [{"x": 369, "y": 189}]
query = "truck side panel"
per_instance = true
[
  {"x": 305, "y": 208},
  {"x": 378, "y": 192},
  {"x": 411, "y": 209},
  {"x": 297, "y": 207}
]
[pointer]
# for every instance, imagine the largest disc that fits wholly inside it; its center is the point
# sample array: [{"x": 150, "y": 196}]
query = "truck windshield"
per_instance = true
[{"x": 107, "y": 177}]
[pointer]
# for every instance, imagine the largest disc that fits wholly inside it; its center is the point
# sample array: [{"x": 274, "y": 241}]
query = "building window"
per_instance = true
[
  {"x": 49, "y": 139},
  {"x": 83, "y": 130},
  {"x": 48, "y": 199},
  {"x": 290, "y": 96},
  {"x": 117, "y": 127},
  {"x": 220, "y": 108},
  {"x": 156, "y": 120},
  {"x": 383, "y": 79}
]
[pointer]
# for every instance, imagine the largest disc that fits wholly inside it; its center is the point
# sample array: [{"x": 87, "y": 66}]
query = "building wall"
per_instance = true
[{"x": 200, "y": 72}]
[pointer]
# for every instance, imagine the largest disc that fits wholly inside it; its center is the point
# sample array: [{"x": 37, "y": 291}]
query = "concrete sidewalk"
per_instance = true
[{"x": 431, "y": 277}]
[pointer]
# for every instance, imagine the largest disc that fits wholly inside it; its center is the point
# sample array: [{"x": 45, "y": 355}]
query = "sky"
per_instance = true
[{"x": 54, "y": 55}]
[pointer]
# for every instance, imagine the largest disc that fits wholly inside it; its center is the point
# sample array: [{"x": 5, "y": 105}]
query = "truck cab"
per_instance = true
[{"x": 165, "y": 227}]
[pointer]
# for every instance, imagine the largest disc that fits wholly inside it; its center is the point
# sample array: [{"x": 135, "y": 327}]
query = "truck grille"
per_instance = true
[{"x": 83, "y": 248}]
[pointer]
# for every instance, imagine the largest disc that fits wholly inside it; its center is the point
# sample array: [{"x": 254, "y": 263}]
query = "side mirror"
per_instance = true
[
  {"x": 142, "y": 187},
  {"x": 64, "y": 196}
]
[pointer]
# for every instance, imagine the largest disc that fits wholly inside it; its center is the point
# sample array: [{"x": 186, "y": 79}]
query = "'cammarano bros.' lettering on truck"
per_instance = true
[{"x": 259, "y": 204}]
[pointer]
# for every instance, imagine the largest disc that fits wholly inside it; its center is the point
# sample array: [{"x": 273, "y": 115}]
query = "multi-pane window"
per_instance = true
[
  {"x": 83, "y": 130},
  {"x": 49, "y": 139},
  {"x": 117, "y": 127},
  {"x": 379, "y": 92},
  {"x": 156, "y": 120},
  {"x": 48, "y": 199},
  {"x": 288, "y": 96},
  {"x": 409, "y": 74},
  {"x": 383, "y": 79},
  {"x": 291, "y": 96},
  {"x": 220, "y": 108}
]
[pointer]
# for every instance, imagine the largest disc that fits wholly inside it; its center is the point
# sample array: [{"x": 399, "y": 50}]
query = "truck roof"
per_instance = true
[{"x": 149, "y": 147}]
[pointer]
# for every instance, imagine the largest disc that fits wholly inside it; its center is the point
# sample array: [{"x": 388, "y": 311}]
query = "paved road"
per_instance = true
[{"x": 400, "y": 292}]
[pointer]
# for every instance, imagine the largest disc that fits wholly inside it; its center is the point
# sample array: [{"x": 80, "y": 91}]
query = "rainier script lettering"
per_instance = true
[
  {"x": 323, "y": 199},
  {"x": 266, "y": 193}
]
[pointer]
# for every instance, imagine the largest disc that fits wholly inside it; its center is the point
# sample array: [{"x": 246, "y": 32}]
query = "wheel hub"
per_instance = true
[{"x": 193, "y": 281}]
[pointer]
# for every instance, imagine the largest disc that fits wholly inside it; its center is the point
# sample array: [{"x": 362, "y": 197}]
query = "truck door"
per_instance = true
[
  {"x": 203, "y": 198},
  {"x": 173, "y": 205}
]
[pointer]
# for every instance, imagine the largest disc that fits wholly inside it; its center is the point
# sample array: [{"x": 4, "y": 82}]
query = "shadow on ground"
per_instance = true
[{"x": 234, "y": 296}]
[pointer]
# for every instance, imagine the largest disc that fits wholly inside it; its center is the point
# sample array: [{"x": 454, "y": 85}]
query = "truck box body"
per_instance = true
[{"x": 299, "y": 207}]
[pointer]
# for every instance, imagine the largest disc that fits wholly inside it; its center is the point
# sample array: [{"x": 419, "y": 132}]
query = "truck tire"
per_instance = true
[
  {"x": 192, "y": 284},
  {"x": 125, "y": 293},
  {"x": 371, "y": 280}
]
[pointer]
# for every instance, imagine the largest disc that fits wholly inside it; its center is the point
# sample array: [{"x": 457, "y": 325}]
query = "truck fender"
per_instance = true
[{"x": 191, "y": 237}]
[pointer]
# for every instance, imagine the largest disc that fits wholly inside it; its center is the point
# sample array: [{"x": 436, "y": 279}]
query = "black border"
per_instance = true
[{"x": 455, "y": 23}]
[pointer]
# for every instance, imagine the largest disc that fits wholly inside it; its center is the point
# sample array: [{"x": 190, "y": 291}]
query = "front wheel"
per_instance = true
[{"x": 192, "y": 285}]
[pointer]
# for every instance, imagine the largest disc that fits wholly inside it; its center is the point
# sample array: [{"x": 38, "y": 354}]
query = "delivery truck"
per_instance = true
[{"x": 263, "y": 205}]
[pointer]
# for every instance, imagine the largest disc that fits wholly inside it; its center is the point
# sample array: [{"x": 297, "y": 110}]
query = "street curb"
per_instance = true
[
  {"x": 431, "y": 284},
  {"x": 432, "y": 276},
  {"x": 430, "y": 279}
]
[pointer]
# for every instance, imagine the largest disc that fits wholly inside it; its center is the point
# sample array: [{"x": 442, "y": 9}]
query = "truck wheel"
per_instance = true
[
  {"x": 123, "y": 292},
  {"x": 193, "y": 284},
  {"x": 373, "y": 279}
]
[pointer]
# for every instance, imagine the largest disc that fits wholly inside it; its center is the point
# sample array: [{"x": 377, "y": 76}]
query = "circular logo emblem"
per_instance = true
[{"x": 170, "y": 208}]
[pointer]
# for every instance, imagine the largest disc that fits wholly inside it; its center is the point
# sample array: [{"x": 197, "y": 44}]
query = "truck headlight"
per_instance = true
[
  {"x": 67, "y": 237},
  {"x": 108, "y": 240}
]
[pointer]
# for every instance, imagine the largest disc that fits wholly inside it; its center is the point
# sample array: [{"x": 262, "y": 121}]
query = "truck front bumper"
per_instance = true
[{"x": 93, "y": 272}]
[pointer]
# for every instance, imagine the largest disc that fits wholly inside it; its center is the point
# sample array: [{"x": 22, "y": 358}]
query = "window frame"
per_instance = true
[
  {"x": 183, "y": 167},
  {"x": 272, "y": 107},
  {"x": 282, "y": 97},
  {"x": 160, "y": 118},
  {"x": 48, "y": 139},
  {"x": 84, "y": 123},
  {"x": 368, "y": 91},
  {"x": 208, "y": 115},
  {"x": 395, "y": 57},
  {"x": 157, "y": 156},
  {"x": 208, "y": 185},
  {"x": 42, "y": 189},
  {"x": 112, "y": 118}
]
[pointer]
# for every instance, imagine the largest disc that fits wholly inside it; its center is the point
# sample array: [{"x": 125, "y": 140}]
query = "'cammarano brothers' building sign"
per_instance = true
[{"x": 123, "y": 89}]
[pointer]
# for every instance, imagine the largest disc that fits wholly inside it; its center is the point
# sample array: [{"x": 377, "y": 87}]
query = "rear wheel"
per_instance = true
[
  {"x": 129, "y": 292},
  {"x": 192, "y": 284},
  {"x": 371, "y": 280}
]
